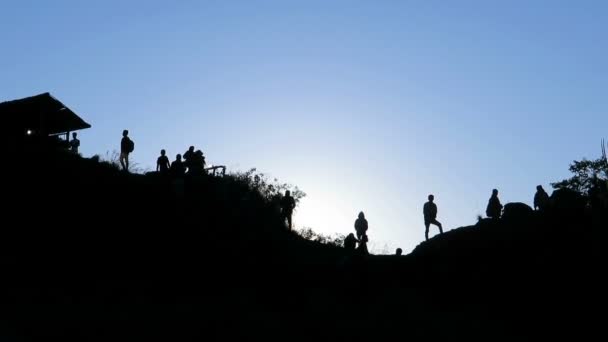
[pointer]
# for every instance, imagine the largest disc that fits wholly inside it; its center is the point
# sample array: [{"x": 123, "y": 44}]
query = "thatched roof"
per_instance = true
[{"x": 42, "y": 114}]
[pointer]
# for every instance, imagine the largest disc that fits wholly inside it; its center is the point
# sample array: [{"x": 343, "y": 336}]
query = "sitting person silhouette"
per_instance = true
[
  {"x": 162, "y": 163},
  {"x": 361, "y": 225},
  {"x": 288, "y": 203},
  {"x": 177, "y": 167},
  {"x": 541, "y": 199},
  {"x": 494, "y": 208},
  {"x": 430, "y": 216},
  {"x": 399, "y": 252},
  {"x": 350, "y": 242}
]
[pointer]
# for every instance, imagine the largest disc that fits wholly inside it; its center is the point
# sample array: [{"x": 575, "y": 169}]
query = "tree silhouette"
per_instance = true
[{"x": 586, "y": 172}]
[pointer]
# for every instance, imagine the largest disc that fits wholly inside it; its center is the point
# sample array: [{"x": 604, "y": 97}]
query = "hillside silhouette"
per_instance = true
[{"x": 92, "y": 253}]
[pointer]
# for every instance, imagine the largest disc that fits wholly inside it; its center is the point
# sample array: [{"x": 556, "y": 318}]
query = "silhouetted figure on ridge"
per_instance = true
[
  {"x": 126, "y": 147},
  {"x": 196, "y": 164},
  {"x": 494, "y": 208},
  {"x": 288, "y": 204},
  {"x": 361, "y": 225},
  {"x": 162, "y": 163},
  {"x": 178, "y": 169},
  {"x": 350, "y": 242},
  {"x": 74, "y": 144},
  {"x": 362, "y": 248},
  {"x": 541, "y": 199},
  {"x": 177, "y": 172},
  {"x": 189, "y": 157},
  {"x": 399, "y": 252},
  {"x": 199, "y": 160},
  {"x": 430, "y": 216}
]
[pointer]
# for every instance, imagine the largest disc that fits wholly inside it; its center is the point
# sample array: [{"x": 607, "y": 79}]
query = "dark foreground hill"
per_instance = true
[{"x": 90, "y": 253}]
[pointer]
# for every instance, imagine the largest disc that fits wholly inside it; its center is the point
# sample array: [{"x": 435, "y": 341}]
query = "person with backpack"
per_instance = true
[
  {"x": 126, "y": 147},
  {"x": 430, "y": 216}
]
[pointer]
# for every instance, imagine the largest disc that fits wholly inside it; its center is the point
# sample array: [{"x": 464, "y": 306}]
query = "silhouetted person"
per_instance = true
[
  {"x": 541, "y": 199},
  {"x": 177, "y": 167},
  {"x": 288, "y": 203},
  {"x": 350, "y": 242},
  {"x": 162, "y": 163},
  {"x": 126, "y": 147},
  {"x": 75, "y": 143},
  {"x": 362, "y": 248},
  {"x": 361, "y": 225},
  {"x": 494, "y": 208},
  {"x": 196, "y": 164},
  {"x": 189, "y": 157},
  {"x": 399, "y": 251},
  {"x": 199, "y": 159},
  {"x": 430, "y": 216}
]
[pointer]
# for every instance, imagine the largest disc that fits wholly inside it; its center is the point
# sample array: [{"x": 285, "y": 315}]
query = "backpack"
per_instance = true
[{"x": 130, "y": 145}]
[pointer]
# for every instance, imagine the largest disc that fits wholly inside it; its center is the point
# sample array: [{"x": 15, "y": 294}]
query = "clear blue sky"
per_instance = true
[{"x": 365, "y": 105}]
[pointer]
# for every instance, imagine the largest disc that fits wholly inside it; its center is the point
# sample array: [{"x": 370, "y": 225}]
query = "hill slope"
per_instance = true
[{"x": 92, "y": 253}]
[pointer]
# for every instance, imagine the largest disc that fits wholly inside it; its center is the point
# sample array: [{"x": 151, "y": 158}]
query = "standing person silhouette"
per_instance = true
[
  {"x": 189, "y": 158},
  {"x": 197, "y": 164},
  {"x": 177, "y": 167},
  {"x": 430, "y": 216},
  {"x": 162, "y": 163},
  {"x": 361, "y": 225},
  {"x": 74, "y": 144},
  {"x": 494, "y": 208},
  {"x": 126, "y": 147},
  {"x": 288, "y": 203}
]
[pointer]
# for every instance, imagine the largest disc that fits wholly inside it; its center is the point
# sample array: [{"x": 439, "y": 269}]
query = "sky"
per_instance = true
[{"x": 364, "y": 105}]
